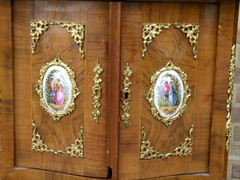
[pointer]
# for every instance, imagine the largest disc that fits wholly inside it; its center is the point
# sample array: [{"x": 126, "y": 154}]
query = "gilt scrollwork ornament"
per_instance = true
[
  {"x": 126, "y": 95},
  {"x": 57, "y": 89},
  {"x": 148, "y": 152},
  {"x": 97, "y": 91},
  {"x": 168, "y": 93},
  {"x": 74, "y": 150},
  {"x": 37, "y": 142},
  {"x": 150, "y": 31},
  {"x": 230, "y": 97},
  {"x": 37, "y": 28},
  {"x": 192, "y": 33}
]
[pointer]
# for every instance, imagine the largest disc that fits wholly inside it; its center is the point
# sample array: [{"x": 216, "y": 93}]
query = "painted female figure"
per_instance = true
[
  {"x": 59, "y": 94},
  {"x": 172, "y": 95},
  {"x": 165, "y": 89}
]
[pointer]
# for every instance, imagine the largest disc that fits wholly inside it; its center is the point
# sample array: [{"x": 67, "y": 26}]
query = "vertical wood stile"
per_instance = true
[
  {"x": 218, "y": 156},
  {"x": 6, "y": 90},
  {"x": 114, "y": 85}
]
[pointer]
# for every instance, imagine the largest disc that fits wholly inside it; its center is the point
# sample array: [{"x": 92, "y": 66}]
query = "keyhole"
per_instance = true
[
  {"x": 96, "y": 91},
  {"x": 126, "y": 94}
]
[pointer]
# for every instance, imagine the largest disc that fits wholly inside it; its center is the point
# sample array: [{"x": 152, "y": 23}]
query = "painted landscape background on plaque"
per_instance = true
[
  {"x": 168, "y": 93},
  {"x": 57, "y": 89}
]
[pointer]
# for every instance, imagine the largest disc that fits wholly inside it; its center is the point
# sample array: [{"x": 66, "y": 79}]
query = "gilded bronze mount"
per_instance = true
[
  {"x": 230, "y": 97},
  {"x": 150, "y": 31},
  {"x": 74, "y": 150},
  {"x": 150, "y": 94},
  {"x": 37, "y": 28},
  {"x": 39, "y": 88},
  {"x": 147, "y": 151}
]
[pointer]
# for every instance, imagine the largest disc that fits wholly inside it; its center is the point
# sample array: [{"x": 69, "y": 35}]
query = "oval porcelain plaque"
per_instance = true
[
  {"x": 168, "y": 93},
  {"x": 57, "y": 89}
]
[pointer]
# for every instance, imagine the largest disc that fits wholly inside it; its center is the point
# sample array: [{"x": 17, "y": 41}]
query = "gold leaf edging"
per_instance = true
[
  {"x": 230, "y": 97},
  {"x": 37, "y": 28},
  {"x": 96, "y": 91},
  {"x": 74, "y": 150},
  {"x": 150, "y": 94},
  {"x": 147, "y": 151},
  {"x": 75, "y": 91},
  {"x": 126, "y": 94}
]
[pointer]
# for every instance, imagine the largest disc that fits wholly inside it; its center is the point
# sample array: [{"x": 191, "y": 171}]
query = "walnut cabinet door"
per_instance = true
[
  {"x": 115, "y": 90},
  {"x": 60, "y": 83},
  {"x": 175, "y": 60}
]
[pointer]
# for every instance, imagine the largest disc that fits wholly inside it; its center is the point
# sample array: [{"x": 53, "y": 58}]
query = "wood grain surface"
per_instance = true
[
  {"x": 6, "y": 89},
  {"x": 218, "y": 155},
  {"x": 20, "y": 174},
  {"x": 170, "y": 45},
  {"x": 57, "y": 42},
  {"x": 113, "y": 33},
  {"x": 114, "y": 85}
]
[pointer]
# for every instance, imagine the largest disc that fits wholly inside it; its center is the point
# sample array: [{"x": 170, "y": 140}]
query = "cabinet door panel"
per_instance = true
[
  {"x": 58, "y": 42},
  {"x": 158, "y": 149}
]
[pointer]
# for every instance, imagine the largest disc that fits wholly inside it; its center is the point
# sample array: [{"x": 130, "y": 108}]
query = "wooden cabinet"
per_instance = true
[
  {"x": 58, "y": 135},
  {"x": 145, "y": 131},
  {"x": 142, "y": 89}
]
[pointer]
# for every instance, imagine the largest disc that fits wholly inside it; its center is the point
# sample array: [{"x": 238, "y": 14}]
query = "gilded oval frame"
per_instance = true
[
  {"x": 186, "y": 94},
  {"x": 74, "y": 89}
]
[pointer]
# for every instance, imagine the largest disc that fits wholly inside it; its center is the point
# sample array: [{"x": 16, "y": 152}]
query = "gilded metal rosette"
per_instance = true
[
  {"x": 168, "y": 93},
  {"x": 57, "y": 89},
  {"x": 192, "y": 33},
  {"x": 126, "y": 94},
  {"x": 37, "y": 28},
  {"x": 230, "y": 97},
  {"x": 74, "y": 150},
  {"x": 147, "y": 151},
  {"x": 96, "y": 91},
  {"x": 150, "y": 31}
]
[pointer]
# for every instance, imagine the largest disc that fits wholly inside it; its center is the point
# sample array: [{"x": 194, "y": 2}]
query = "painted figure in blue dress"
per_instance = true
[{"x": 172, "y": 95}]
